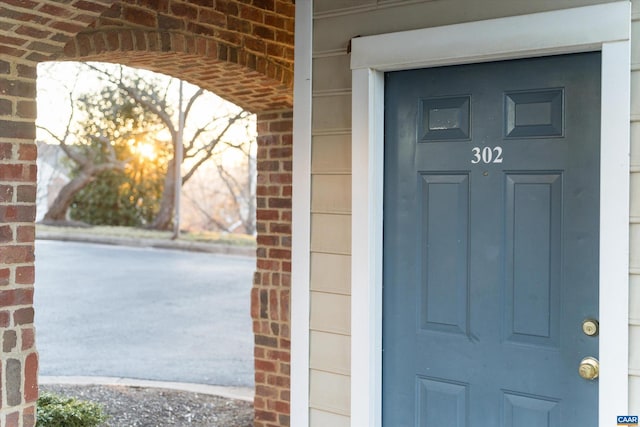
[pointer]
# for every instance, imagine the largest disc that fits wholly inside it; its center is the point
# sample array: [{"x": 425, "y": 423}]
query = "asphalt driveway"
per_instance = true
[{"x": 153, "y": 314}]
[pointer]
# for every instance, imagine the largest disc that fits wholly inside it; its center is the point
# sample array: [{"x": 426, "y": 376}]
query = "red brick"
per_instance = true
[
  {"x": 140, "y": 16},
  {"x": 9, "y": 172},
  {"x": 5, "y": 67},
  {"x": 13, "y": 41},
  {"x": 265, "y": 365},
  {"x": 279, "y": 254},
  {"x": 6, "y": 151},
  {"x": 26, "y": 109},
  {"x": 273, "y": 305},
  {"x": 16, "y": 255},
  {"x": 184, "y": 10},
  {"x": 17, "y": 213},
  {"x": 13, "y": 419},
  {"x": 18, "y": 88},
  {"x": 61, "y": 12},
  {"x": 5, "y": 274},
  {"x": 264, "y": 416},
  {"x": 29, "y": 416},
  {"x": 279, "y": 203},
  {"x": 268, "y": 165},
  {"x": 21, "y": 130},
  {"x": 26, "y": 194},
  {"x": 6, "y": 192},
  {"x": 6, "y": 108},
  {"x": 23, "y": 316},
  {"x": 31, "y": 378},
  {"x": 67, "y": 27},
  {"x": 28, "y": 151},
  {"x": 259, "y": 403},
  {"x": 281, "y": 126},
  {"x": 280, "y": 228},
  {"x": 281, "y": 153},
  {"x": 25, "y": 275},
  {"x": 285, "y": 311},
  {"x": 28, "y": 338},
  {"x": 16, "y": 297},
  {"x": 99, "y": 43},
  {"x": 280, "y": 178},
  {"x": 267, "y": 214},
  {"x": 27, "y": 71},
  {"x": 266, "y": 341},
  {"x": 267, "y": 265},
  {"x": 6, "y": 234},
  {"x": 279, "y": 355},
  {"x": 113, "y": 41},
  {"x": 282, "y": 407},
  {"x": 5, "y": 319},
  {"x": 126, "y": 41}
]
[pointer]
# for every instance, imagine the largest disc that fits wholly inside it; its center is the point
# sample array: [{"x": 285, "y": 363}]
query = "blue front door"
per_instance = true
[{"x": 491, "y": 211}]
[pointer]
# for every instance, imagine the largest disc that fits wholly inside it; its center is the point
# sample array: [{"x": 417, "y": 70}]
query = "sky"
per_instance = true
[{"x": 57, "y": 79}]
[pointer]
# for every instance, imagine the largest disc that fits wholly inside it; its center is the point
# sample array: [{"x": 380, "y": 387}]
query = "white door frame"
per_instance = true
[{"x": 604, "y": 28}]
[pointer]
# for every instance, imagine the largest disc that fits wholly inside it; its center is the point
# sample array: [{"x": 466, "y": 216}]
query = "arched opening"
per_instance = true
[{"x": 242, "y": 52}]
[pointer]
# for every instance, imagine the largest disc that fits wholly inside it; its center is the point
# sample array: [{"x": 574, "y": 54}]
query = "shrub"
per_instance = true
[{"x": 59, "y": 411}]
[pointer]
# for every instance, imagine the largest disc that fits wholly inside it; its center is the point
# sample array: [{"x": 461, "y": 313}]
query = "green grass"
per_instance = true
[{"x": 140, "y": 233}]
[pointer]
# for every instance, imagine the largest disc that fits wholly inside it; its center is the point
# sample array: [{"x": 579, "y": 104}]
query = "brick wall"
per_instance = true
[
  {"x": 242, "y": 50},
  {"x": 270, "y": 295},
  {"x": 19, "y": 361}
]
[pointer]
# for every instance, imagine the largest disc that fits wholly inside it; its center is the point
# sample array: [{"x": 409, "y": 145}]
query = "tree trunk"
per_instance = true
[
  {"x": 163, "y": 220},
  {"x": 58, "y": 209}
]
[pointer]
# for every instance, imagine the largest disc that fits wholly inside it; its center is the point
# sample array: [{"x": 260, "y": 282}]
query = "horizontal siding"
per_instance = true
[
  {"x": 324, "y": 419},
  {"x": 634, "y": 296},
  {"x": 332, "y": 112},
  {"x": 330, "y": 352},
  {"x": 330, "y": 392},
  {"x": 331, "y": 313},
  {"x": 338, "y": 67},
  {"x": 634, "y": 392},
  {"x": 330, "y": 343},
  {"x": 635, "y": 100},
  {"x": 331, "y": 154},
  {"x": 331, "y": 233},
  {"x": 331, "y": 273},
  {"x": 331, "y": 194}
]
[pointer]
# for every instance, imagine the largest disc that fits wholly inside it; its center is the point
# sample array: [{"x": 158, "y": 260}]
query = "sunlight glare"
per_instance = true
[{"x": 147, "y": 151}]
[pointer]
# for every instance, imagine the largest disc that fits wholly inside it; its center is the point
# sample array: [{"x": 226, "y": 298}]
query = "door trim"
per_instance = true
[{"x": 547, "y": 33}]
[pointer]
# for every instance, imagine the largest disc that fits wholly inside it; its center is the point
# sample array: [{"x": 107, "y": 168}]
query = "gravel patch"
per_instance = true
[{"x": 157, "y": 407}]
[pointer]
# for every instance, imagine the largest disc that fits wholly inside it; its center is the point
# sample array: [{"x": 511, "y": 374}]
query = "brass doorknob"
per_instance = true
[
  {"x": 590, "y": 327},
  {"x": 589, "y": 368}
]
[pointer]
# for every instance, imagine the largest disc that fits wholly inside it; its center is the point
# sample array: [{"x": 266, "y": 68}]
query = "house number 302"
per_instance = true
[{"x": 486, "y": 155}]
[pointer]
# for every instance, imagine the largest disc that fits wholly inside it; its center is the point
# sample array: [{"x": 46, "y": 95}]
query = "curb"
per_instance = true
[
  {"x": 151, "y": 243},
  {"x": 239, "y": 393}
]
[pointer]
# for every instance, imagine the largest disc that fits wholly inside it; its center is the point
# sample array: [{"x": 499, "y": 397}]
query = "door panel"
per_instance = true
[{"x": 491, "y": 211}]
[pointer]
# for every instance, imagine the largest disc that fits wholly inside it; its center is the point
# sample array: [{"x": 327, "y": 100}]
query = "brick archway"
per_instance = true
[{"x": 241, "y": 50}]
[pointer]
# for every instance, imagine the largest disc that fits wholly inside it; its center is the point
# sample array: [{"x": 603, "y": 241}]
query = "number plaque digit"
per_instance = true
[{"x": 486, "y": 155}]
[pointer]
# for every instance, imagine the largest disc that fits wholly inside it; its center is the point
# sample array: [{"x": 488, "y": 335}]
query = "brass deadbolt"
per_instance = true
[
  {"x": 590, "y": 327},
  {"x": 589, "y": 368}
]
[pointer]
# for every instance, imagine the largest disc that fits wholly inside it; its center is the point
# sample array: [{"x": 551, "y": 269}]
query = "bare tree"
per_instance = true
[
  {"x": 224, "y": 198},
  {"x": 198, "y": 148}
]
